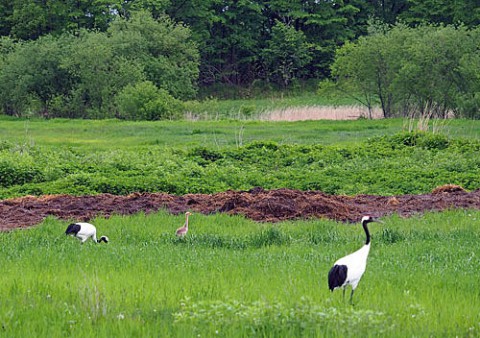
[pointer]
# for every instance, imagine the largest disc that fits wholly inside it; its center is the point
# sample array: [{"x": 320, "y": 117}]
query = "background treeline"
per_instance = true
[{"x": 140, "y": 59}]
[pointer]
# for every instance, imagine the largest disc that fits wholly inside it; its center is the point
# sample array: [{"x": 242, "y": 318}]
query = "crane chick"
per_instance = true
[
  {"x": 84, "y": 231},
  {"x": 349, "y": 269},
  {"x": 182, "y": 231}
]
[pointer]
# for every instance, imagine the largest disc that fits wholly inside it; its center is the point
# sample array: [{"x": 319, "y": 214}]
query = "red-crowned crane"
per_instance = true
[
  {"x": 182, "y": 231},
  {"x": 84, "y": 231},
  {"x": 349, "y": 269}
]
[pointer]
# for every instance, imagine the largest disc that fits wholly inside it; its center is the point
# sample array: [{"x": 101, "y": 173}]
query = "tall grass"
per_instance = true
[{"x": 231, "y": 277}]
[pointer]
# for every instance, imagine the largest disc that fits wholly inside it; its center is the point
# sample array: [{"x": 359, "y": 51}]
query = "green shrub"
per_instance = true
[
  {"x": 5, "y": 145},
  {"x": 207, "y": 155},
  {"x": 263, "y": 145},
  {"x": 144, "y": 101},
  {"x": 14, "y": 173},
  {"x": 433, "y": 141},
  {"x": 415, "y": 139},
  {"x": 406, "y": 163}
]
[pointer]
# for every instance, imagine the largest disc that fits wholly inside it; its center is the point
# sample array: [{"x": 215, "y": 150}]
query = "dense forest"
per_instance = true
[{"x": 141, "y": 59}]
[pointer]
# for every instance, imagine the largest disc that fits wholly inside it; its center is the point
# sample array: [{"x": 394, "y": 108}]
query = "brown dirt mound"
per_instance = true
[
  {"x": 447, "y": 188},
  {"x": 257, "y": 204}
]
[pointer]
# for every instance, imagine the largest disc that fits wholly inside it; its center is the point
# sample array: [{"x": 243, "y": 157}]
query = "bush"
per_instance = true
[
  {"x": 144, "y": 101},
  {"x": 205, "y": 156},
  {"x": 14, "y": 173}
]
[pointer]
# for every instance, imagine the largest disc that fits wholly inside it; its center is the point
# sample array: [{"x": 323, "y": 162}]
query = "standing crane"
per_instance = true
[
  {"x": 349, "y": 270},
  {"x": 182, "y": 231},
  {"x": 84, "y": 231}
]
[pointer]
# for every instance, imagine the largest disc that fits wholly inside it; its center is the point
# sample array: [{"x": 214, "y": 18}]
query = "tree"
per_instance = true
[
  {"x": 99, "y": 76},
  {"x": 230, "y": 53},
  {"x": 468, "y": 100},
  {"x": 156, "y": 8},
  {"x": 80, "y": 75},
  {"x": 164, "y": 49},
  {"x": 29, "y": 20},
  {"x": 6, "y": 10},
  {"x": 325, "y": 24},
  {"x": 445, "y": 12},
  {"x": 285, "y": 54},
  {"x": 32, "y": 76},
  {"x": 388, "y": 11},
  {"x": 427, "y": 70},
  {"x": 371, "y": 65},
  {"x": 469, "y": 79},
  {"x": 430, "y": 75},
  {"x": 87, "y": 14}
]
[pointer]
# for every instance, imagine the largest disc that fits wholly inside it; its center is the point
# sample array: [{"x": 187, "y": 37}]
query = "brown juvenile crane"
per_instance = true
[{"x": 182, "y": 231}]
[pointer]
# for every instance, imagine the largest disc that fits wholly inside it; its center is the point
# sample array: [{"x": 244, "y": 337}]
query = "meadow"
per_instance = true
[
  {"x": 109, "y": 135},
  {"x": 232, "y": 277}
]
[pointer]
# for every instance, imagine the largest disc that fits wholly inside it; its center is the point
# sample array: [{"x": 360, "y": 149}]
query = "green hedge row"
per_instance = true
[{"x": 406, "y": 163}]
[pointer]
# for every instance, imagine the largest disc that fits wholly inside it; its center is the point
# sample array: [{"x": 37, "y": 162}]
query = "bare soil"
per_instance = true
[{"x": 257, "y": 204}]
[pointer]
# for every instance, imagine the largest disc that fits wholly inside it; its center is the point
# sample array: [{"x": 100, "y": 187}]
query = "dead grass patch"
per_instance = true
[{"x": 320, "y": 113}]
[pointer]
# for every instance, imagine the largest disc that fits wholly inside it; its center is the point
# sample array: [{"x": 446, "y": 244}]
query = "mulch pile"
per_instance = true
[{"x": 257, "y": 204}]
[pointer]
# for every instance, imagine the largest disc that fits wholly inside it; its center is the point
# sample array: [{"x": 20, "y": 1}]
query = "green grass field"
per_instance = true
[
  {"x": 231, "y": 277},
  {"x": 95, "y": 135}
]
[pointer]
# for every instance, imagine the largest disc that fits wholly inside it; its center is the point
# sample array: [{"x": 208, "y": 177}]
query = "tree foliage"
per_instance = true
[
  {"x": 80, "y": 76},
  {"x": 442, "y": 12},
  {"x": 286, "y": 53},
  {"x": 180, "y": 45},
  {"x": 168, "y": 56},
  {"x": 145, "y": 101},
  {"x": 99, "y": 73},
  {"x": 422, "y": 70},
  {"x": 32, "y": 75}
]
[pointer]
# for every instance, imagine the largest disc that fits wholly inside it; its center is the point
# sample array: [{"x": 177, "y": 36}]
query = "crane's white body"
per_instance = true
[
  {"x": 356, "y": 263},
  {"x": 349, "y": 270},
  {"x": 85, "y": 232}
]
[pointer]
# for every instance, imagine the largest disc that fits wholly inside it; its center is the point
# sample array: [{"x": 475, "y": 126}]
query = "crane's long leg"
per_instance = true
[
  {"x": 344, "y": 293},
  {"x": 351, "y": 296}
]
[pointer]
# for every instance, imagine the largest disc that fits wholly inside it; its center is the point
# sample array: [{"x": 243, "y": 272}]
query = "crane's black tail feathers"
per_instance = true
[
  {"x": 72, "y": 229},
  {"x": 337, "y": 276}
]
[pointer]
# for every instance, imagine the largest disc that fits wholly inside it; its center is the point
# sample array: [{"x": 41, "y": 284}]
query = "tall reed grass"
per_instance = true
[{"x": 306, "y": 113}]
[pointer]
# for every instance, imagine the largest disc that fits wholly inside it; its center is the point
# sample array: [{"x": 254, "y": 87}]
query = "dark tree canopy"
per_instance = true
[{"x": 199, "y": 43}]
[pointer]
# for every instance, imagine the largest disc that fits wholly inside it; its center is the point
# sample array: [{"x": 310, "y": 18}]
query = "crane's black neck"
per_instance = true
[{"x": 367, "y": 233}]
